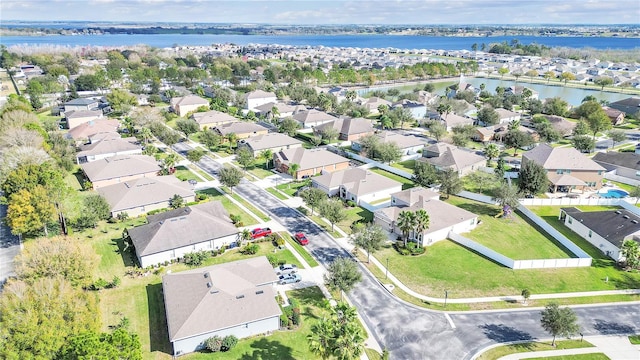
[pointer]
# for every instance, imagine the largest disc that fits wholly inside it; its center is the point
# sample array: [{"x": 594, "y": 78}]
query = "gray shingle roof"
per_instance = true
[
  {"x": 349, "y": 126},
  {"x": 85, "y": 130},
  {"x": 212, "y": 117},
  {"x": 269, "y": 141},
  {"x": 108, "y": 143},
  {"x": 613, "y": 159},
  {"x": 313, "y": 116},
  {"x": 357, "y": 181},
  {"x": 260, "y": 94},
  {"x": 182, "y": 227},
  {"x": 81, "y": 102},
  {"x": 309, "y": 158},
  {"x": 455, "y": 158},
  {"x": 413, "y": 195},
  {"x": 119, "y": 166},
  {"x": 75, "y": 114},
  {"x": 612, "y": 225},
  {"x": 145, "y": 191},
  {"x": 215, "y": 297},
  {"x": 240, "y": 127},
  {"x": 560, "y": 158},
  {"x": 403, "y": 141}
]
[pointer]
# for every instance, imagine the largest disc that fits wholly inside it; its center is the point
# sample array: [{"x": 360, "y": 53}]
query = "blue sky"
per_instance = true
[{"x": 308, "y": 12}]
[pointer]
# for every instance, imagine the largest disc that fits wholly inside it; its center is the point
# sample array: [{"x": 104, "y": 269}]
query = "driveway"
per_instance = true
[
  {"x": 410, "y": 332},
  {"x": 9, "y": 248}
]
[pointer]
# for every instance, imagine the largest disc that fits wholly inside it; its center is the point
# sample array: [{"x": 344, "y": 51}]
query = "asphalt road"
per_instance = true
[
  {"x": 410, "y": 332},
  {"x": 9, "y": 248}
]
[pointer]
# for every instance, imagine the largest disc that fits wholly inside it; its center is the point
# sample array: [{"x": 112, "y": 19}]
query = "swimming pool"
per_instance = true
[{"x": 613, "y": 194}]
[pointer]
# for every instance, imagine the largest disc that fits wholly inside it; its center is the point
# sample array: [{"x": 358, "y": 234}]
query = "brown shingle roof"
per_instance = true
[
  {"x": 110, "y": 143},
  {"x": 310, "y": 158},
  {"x": 145, "y": 191},
  {"x": 120, "y": 166},
  {"x": 85, "y": 130},
  {"x": 560, "y": 158}
]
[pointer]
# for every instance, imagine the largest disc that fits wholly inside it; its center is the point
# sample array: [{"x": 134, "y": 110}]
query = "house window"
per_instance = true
[
  {"x": 570, "y": 220},
  {"x": 559, "y": 171},
  {"x": 599, "y": 172},
  {"x": 567, "y": 171},
  {"x": 590, "y": 233}
]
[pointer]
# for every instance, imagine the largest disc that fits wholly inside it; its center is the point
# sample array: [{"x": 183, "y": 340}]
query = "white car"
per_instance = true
[
  {"x": 286, "y": 269},
  {"x": 289, "y": 278}
]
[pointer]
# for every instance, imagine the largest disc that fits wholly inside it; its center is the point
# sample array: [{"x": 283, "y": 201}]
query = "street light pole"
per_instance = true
[
  {"x": 446, "y": 295},
  {"x": 386, "y": 274}
]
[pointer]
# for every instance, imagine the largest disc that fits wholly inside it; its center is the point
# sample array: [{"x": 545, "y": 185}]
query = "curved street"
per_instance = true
[{"x": 410, "y": 332}]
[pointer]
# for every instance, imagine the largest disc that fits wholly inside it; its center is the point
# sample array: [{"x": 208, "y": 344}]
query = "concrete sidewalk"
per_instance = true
[{"x": 615, "y": 347}]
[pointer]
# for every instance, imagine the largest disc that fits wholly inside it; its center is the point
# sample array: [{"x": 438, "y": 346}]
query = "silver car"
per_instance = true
[
  {"x": 289, "y": 278},
  {"x": 286, "y": 269}
]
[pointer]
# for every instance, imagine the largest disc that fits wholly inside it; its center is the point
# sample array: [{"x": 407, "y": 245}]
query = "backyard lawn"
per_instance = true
[
  {"x": 354, "y": 214},
  {"x": 184, "y": 174},
  {"x": 407, "y": 166},
  {"x": 513, "y": 237},
  {"x": 406, "y": 183},
  {"x": 231, "y": 207},
  {"x": 291, "y": 188}
]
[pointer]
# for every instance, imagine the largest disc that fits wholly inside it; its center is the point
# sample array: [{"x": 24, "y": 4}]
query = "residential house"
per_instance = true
[
  {"x": 283, "y": 110},
  {"x": 211, "y": 119},
  {"x": 630, "y": 106},
  {"x": 562, "y": 125},
  {"x": 357, "y": 185},
  {"x": 452, "y": 120},
  {"x": 311, "y": 118},
  {"x": 518, "y": 90},
  {"x": 625, "y": 164},
  {"x": 235, "y": 298},
  {"x": 349, "y": 129},
  {"x": 607, "y": 230},
  {"x": 78, "y": 117},
  {"x": 567, "y": 168},
  {"x": 408, "y": 144},
  {"x": 616, "y": 116},
  {"x": 81, "y": 104},
  {"x": 83, "y": 132},
  {"x": 139, "y": 196},
  {"x": 506, "y": 116},
  {"x": 172, "y": 234},
  {"x": 271, "y": 141},
  {"x": 444, "y": 156},
  {"x": 443, "y": 217},
  {"x": 186, "y": 104},
  {"x": 417, "y": 110},
  {"x": 120, "y": 168},
  {"x": 242, "y": 129},
  {"x": 498, "y": 132},
  {"x": 373, "y": 103},
  {"x": 259, "y": 97},
  {"x": 310, "y": 161},
  {"x": 104, "y": 145}
]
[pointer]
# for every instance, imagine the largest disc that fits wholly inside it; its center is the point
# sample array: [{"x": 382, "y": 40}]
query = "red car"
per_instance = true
[
  {"x": 260, "y": 232},
  {"x": 301, "y": 239}
]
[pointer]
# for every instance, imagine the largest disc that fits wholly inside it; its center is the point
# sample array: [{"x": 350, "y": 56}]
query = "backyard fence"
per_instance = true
[
  {"x": 572, "y": 202},
  {"x": 372, "y": 163},
  {"x": 625, "y": 180},
  {"x": 477, "y": 197}
]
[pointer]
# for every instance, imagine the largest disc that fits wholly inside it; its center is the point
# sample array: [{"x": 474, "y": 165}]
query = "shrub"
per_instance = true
[
  {"x": 284, "y": 320},
  {"x": 250, "y": 249},
  {"x": 100, "y": 284},
  {"x": 273, "y": 260},
  {"x": 213, "y": 344},
  {"x": 295, "y": 318},
  {"x": 115, "y": 282},
  {"x": 201, "y": 197},
  {"x": 303, "y": 210},
  {"x": 279, "y": 241},
  {"x": 234, "y": 218},
  {"x": 414, "y": 249},
  {"x": 195, "y": 258},
  {"x": 229, "y": 342},
  {"x": 351, "y": 203},
  {"x": 122, "y": 216}
]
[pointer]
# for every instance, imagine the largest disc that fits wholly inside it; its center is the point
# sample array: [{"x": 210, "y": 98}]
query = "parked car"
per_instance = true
[
  {"x": 289, "y": 279},
  {"x": 301, "y": 239},
  {"x": 286, "y": 269},
  {"x": 260, "y": 232}
]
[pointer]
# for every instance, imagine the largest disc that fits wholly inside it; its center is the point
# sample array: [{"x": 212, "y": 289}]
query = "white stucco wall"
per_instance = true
[
  {"x": 386, "y": 193},
  {"x": 254, "y": 103},
  {"x": 596, "y": 240},
  {"x": 107, "y": 155},
  {"x": 154, "y": 259},
  {"x": 140, "y": 210},
  {"x": 194, "y": 343}
]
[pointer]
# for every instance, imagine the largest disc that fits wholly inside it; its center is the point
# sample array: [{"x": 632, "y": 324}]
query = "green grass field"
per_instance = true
[
  {"x": 276, "y": 193},
  {"x": 514, "y": 237},
  {"x": 501, "y": 351},
  {"x": 231, "y": 207},
  {"x": 406, "y": 183},
  {"x": 186, "y": 174},
  {"x": 407, "y": 166},
  {"x": 354, "y": 214},
  {"x": 290, "y": 188},
  {"x": 592, "y": 356}
]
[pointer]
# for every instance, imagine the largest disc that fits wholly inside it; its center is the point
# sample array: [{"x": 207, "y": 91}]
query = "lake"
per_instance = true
[{"x": 362, "y": 41}]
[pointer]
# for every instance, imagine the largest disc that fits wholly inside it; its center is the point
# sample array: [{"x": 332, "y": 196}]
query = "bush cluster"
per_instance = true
[
  {"x": 290, "y": 317},
  {"x": 216, "y": 343},
  {"x": 411, "y": 249}
]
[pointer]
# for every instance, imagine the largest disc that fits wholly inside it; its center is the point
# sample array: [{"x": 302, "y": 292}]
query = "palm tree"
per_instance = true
[
  {"x": 443, "y": 109},
  {"x": 169, "y": 163},
  {"x": 245, "y": 235},
  {"x": 385, "y": 122},
  {"x": 422, "y": 224},
  {"x": 514, "y": 125},
  {"x": 293, "y": 171},
  {"x": 274, "y": 112},
  {"x": 406, "y": 223},
  {"x": 491, "y": 151},
  {"x": 321, "y": 338},
  {"x": 145, "y": 135},
  {"x": 232, "y": 137},
  {"x": 266, "y": 155}
]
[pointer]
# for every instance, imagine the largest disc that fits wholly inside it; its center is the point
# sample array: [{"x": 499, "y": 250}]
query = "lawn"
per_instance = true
[
  {"x": 592, "y": 356},
  {"x": 290, "y": 188},
  {"x": 185, "y": 174},
  {"x": 513, "y": 237},
  {"x": 284, "y": 344},
  {"x": 140, "y": 299},
  {"x": 505, "y": 350},
  {"x": 407, "y": 166},
  {"x": 634, "y": 339},
  {"x": 354, "y": 214},
  {"x": 231, "y": 207},
  {"x": 301, "y": 250},
  {"x": 258, "y": 168},
  {"x": 406, "y": 183},
  {"x": 277, "y": 193}
]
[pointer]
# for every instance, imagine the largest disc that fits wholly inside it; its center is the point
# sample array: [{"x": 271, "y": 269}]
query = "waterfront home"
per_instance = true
[
  {"x": 170, "y": 235},
  {"x": 567, "y": 168},
  {"x": 310, "y": 161},
  {"x": 139, "y": 196},
  {"x": 417, "y": 110},
  {"x": 506, "y": 116},
  {"x": 236, "y": 298},
  {"x": 616, "y": 116},
  {"x": 186, "y": 104},
  {"x": 357, "y": 185},
  {"x": 116, "y": 169},
  {"x": 271, "y": 141},
  {"x": 630, "y": 105},
  {"x": 443, "y": 217},
  {"x": 606, "y": 230}
]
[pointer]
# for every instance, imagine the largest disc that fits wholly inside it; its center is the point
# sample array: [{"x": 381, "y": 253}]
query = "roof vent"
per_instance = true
[
  {"x": 209, "y": 285},
  {"x": 206, "y": 275},
  {"x": 240, "y": 297},
  {"x": 259, "y": 292},
  {"x": 634, "y": 221},
  {"x": 618, "y": 212},
  {"x": 625, "y": 216}
]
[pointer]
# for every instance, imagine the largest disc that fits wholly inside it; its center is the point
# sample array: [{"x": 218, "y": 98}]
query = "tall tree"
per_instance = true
[
  {"x": 370, "y": 238},
  {"x": 230, "y": 176},
  {"x": 598, "y": 121},
  {"x": 389, "y": 152},
  {"x": 507, "y": 195},
  {"x": 422, "y": 223},
  {"x": 617, "y": 136},
  {"x": 450, "y": 183},
  {"x": 406, "y": 223},
  {"x": 289, "y": 126},
  {"x": 333, "y": 210},
  {"x": 232, "y": 138},
  {"x": 267, "y": 155},
  {"x": 517, "y": 139},
  {"x": 293, "y": 171},
  {"x": 559, "y": 321},
  {"x": 187, "y": 126},
  {"x": 584, "y": 143},
  {"x": 313, "y": 197},
  {"x": 533, "y": 178},
  {"x": 425, "y": 174},
  {"x": 29, "y": 211},
  {"x": 488, "y": 116},
  {"x": 342, "y": 274},
  {"x": 631, "y": 251},
  {"x": 437, "y": 130},
  {"x": 491, "y": 151},
  {"x": 338, "y": 335},
  {"x": 244, "y": 157}
]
